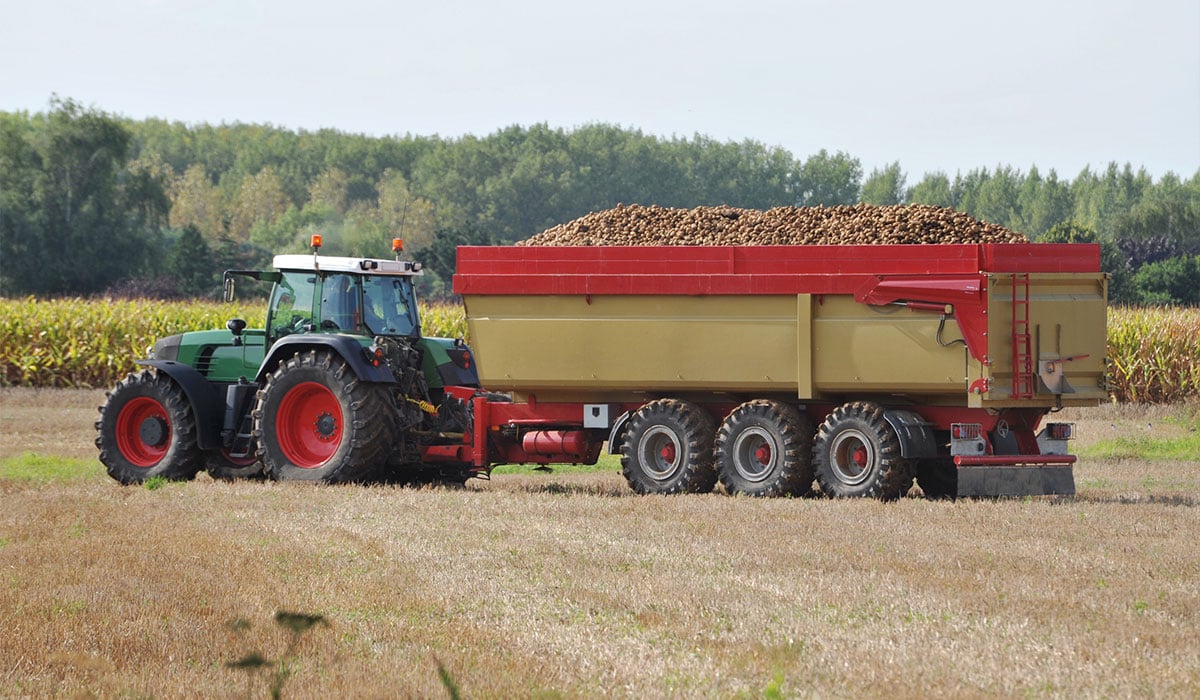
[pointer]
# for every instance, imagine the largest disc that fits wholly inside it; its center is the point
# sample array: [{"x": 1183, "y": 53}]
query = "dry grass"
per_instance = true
[{"x": 548, "y": 585}]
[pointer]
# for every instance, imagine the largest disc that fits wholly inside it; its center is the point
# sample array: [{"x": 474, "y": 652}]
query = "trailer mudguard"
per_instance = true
[
  {"x": 350, "y": 348},
  {"x": 208, "y": 403},
  {"x": 915, "y": 435}
]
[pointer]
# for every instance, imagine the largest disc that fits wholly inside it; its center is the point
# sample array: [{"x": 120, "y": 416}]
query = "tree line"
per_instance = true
[{"x": 93, "y": 203}]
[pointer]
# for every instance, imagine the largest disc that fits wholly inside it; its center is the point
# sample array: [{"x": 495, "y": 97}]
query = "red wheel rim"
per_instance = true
[
  {"x": 309, "y": 425},
  {"x": 143, "y": 432}
]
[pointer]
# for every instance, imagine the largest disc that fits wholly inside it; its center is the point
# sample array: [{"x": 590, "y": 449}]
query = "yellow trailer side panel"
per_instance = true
[{"x": 640, "y": 343}]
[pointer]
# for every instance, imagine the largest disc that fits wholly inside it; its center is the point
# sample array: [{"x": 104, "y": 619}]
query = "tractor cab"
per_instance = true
[{"x": 343, "y": 295}]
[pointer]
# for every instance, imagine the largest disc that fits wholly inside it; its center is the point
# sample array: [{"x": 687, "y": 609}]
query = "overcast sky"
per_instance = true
[{"x": 934, "y": 84}]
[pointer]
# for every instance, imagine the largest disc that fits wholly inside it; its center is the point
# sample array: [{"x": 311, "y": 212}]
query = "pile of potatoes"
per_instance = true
[{"x": 840, "y": 225}]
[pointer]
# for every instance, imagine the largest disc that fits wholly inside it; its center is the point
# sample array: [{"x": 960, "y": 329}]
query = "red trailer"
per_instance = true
[{"x": 766, "y": 367}]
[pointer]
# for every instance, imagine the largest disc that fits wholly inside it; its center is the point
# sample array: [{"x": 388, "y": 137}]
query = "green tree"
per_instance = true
[
  {"x": 828, "y": 179},
  {"x": 1170, "y": 281},
  {"x": 192, "y": 265},
  {"x": 933, "y": 189},
  {"x": 260, "y": 200},
  {"x": 80, "y": 220},
  {"x": 884, "y": 186}
]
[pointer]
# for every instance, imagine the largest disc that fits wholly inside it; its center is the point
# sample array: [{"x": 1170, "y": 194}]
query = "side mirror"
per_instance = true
[{"x": 229, "y": 291}]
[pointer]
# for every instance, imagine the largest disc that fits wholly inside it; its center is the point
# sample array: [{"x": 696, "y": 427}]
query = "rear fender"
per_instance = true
[
  {"x": 349, "y": 348},
  {"x": 208, "y": 402}
]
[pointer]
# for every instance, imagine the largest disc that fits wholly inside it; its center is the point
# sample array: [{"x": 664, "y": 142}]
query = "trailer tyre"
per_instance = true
[
  {"x": 764, "y": 448},
  {"x": 668, "y": 448},
  {"x": 315, "y": 421},
  {"x": 857, "y": 455},
  {"x": 147, "y": 428}
]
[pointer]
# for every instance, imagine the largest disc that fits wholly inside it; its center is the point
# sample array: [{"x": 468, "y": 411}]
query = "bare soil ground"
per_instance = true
[{"x": 569, "y": 585}]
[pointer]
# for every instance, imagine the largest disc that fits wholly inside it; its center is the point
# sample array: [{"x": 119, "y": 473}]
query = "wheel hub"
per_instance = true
[
  {"x": 667, "y": 452},
  {"x": 763, "y": 454},
  {"x": 153, "y": 431},
  {"x": 326, "y": 427}
]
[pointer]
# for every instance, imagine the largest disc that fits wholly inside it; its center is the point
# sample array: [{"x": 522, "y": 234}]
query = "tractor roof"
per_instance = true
[{"x": 361, "y": 266}]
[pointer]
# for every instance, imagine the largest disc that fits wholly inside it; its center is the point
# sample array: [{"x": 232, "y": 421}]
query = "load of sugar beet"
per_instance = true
[{"x": 860, "y": 224}]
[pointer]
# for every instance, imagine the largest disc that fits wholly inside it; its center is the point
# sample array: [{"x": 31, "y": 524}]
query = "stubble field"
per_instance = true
[{"x": 566, "y": 584}]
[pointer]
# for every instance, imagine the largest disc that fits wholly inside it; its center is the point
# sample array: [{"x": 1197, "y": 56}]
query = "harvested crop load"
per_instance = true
[{"x": 839, "y": 225}]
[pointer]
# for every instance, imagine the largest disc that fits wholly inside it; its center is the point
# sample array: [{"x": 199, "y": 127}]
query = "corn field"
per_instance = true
[
  {"x": 1154, "y": 353},
  {"x": 94, "y": 343}
]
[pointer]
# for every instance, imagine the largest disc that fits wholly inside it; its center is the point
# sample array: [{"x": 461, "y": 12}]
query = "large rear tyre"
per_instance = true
[
  {"x": 147, "y": 429},
  {"x": 857, "y": 455},
  {"x": 315, "y": 421},
  {"x": 764, "y": 448},
  {"x": 668, "y": 448}
]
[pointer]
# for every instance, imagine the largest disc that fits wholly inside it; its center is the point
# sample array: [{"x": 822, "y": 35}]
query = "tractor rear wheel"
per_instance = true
[
  {"x": 764, "y": 448},
  {"x": 315, "y": 421},
  {"x": 857, "y": 455},
  {"x": 668, "y": 448},
  {"x": 147, "y": 429}
]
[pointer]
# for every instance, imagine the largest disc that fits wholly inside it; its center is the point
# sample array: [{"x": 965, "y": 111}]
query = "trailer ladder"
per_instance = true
[{"x": 1022, "y": 357}]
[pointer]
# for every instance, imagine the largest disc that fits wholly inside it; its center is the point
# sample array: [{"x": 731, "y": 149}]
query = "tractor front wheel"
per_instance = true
[
  {"x": 315, "y": 421},
  {"x": 147, "y": 429}
]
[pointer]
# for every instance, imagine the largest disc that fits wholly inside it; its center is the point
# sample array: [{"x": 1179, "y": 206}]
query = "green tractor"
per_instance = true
[{"x": 339, "y": 386}]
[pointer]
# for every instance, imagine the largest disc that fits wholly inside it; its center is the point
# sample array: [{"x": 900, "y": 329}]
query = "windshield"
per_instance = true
[{"x": 388, "y": 306}]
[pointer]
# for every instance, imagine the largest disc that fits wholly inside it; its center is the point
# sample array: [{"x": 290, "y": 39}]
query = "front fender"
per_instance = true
[
  {"x": 349, "y": 348},
  {"x": 208, "y": 404}
]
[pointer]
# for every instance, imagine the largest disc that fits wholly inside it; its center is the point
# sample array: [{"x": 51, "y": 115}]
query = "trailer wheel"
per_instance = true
[
  {"x": 315, "y": 421},
  {"x": 857, "y": 455},
  {"x": 938, "y": 478},
  {"x": 146, "y": 429},
  {"x": 764, "y": 448},
  {"x": 668, "y": 448},
  {"x": 225, "y": 467}
]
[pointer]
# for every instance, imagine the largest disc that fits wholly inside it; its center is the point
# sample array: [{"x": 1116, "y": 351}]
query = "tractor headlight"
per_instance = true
[{"x": 167, "y": 348}]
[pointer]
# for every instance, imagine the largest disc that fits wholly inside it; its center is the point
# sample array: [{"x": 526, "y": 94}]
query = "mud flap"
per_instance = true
[{"x": 1016, "y": 480}]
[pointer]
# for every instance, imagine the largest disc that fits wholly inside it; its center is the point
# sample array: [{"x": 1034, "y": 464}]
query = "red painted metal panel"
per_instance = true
[
  {"x": 1012, "y": 460},
  {"x": 707, "y": 270}
]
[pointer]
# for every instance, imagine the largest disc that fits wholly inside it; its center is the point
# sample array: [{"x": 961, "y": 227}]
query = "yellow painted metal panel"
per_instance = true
[
  {"x": 636, "y": 343},
  {"x": 1067, "y": 318},
  {"x": 871, "y": 349}
]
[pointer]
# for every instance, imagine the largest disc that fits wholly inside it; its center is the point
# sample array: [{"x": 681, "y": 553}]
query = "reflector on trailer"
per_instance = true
[{"x": 965, "y": 431}]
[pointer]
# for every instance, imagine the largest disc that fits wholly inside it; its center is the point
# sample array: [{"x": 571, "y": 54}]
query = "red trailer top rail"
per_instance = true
[{"x": 703, "y": 270}]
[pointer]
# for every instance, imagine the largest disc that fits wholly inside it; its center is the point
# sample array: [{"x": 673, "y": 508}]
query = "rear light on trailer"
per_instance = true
[
  {"x": 1060, "y": 431},
  {"x": 965, "y": 431}
]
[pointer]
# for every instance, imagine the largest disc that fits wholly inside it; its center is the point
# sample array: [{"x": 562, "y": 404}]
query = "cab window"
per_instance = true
[{"x": 292, "y": 303}]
